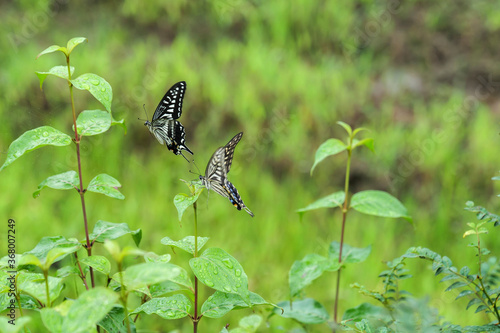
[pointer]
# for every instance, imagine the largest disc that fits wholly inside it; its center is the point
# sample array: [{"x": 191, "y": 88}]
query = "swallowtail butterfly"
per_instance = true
[
  {"x": 216, "y": 174},
  {"x": 164, "y": 126}
]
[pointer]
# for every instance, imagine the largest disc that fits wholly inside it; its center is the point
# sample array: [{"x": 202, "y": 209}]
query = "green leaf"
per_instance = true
[
  {"x": 46, "y": 244},
  {"x": 114, "y": 321},
  {"x": 358, "y": 130},
  {"x": 90, "y": 307},
  {"x": 480, "y": 308},
  {"x": 216, "y": 269},
  {"x": 366, "y": 310},
  {"x": 250, "y": 324},
  {"x": 59, "y": 253},
  {"x": 472, "y": 302},
  {"x": 52, "y": 48},
  {"x": 186, "y": 244},
  {"x": 34, "y": 139},
  {"x": 106, "y": 185},
  {"x": 220, "y": 303},
  {"x": 33, "y": 284},
  {"x": 379, "y": 203},
  {"x": 153, "y": 257},
  {"x": 7, "y": 327},
  {"x": 455, "y": 285},
  {"x": 74, "y": 42},
  {"x": 59, "y": 71},
  {"x": 145, "y": 274},
  {"x": 465, "y": 271},
  {"x": 108, "y": 230},
  {"x": 120, "y": 122},
  {"x": 163, "y": 288},
  {"x": 64, "y": 181},
  {"x": 350, "y": 254},
  {"x": 29, "y": 259},
  {"x": 99, "y": 263},
  {"x": 53, "y": 318},
  {"x": 368, "y": 143},
  {"x": 173, "y": 307},
  {"x": 347, "y": 127},
  {"x": 305, "y": 271},
  {"x": 328, "y": 148},
  {"x": 97, "y": 86},
  {"x": 306, "y": 311},
  {"x": 330, "y": 201},
  {"x": 182, "y": 201},
  {"x": 464, "y": 293},
  {"x": 93, "y": 122}
]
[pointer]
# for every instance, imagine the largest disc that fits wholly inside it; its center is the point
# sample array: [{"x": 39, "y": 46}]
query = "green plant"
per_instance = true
[
  {"x": 402, "y": 312},
  {"x": 215, "y": 268},
  {"x": 159, "y": 286},
  {"x": 312, "y": 266}
]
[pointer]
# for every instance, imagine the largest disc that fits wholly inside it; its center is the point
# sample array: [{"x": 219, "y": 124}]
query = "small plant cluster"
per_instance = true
[
  {"x": 160, "y": 287},
  {"x": 401, "y": 312}
]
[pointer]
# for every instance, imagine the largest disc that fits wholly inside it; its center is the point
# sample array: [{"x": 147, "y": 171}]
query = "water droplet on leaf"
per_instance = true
[{"x": 227, "y": 263}]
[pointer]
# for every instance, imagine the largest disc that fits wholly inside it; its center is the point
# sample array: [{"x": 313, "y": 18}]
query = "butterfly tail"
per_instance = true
[{"x": 248, "y": 211}]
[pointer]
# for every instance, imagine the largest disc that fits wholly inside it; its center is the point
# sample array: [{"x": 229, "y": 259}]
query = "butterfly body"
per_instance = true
[
  {"x": 164, "y": 126},
  {"x": 216, "y": 174}
]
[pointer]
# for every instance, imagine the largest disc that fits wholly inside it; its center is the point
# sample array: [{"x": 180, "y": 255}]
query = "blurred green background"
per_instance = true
[{"x": 422, "y": 75}]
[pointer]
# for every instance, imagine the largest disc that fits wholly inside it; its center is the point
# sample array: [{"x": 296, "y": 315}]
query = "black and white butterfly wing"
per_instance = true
[
  {"x": 235, "y": 197},
  {"x": 177, "y": 135},
  {"x": 216, "y": 174},
  {"x": 229, "y": 151},
  {"x": 170, "y": 106}
]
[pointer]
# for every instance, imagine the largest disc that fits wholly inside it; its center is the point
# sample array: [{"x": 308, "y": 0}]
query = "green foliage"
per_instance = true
[
  {"x": 379, "y": 203},
  {"x": 108, "y": 231},
  {"x": 173, "y": 307},
  {"x": 220, "y": 303},
  {"x": 186, "y": 244},
  {"x": 34, "y": 139},
  {"x": 217, "y": 269},
  {"x": 306, "y": 311},
  {"x": 81, "y": 314}
]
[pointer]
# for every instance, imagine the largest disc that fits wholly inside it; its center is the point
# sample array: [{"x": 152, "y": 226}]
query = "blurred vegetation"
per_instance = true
[{"x": 422, "y": 75}]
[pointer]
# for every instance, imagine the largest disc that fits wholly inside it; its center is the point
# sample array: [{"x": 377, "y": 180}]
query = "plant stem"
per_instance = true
[
  {"x": 46, "y": 275},
  {"x": 124, "y": 297},
  {"x": 81, "y": 272},
  {"x": 18, "y": 299},
  {"x": 344, "y": 216},
  {"x": 81, "y": 191},
  {"x": 195, "y": 318}
]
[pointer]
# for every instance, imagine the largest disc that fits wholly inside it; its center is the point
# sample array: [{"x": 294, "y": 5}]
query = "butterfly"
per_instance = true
[
  {"x": 216, "y": 174},
  {"x": 164, "y": 126}
]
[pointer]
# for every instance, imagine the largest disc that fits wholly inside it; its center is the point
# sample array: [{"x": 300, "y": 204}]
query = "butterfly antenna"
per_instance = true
[
  {"x": 184, "y": 157},
  {"x": 144, "y": 107},
  {"x": 199, "y": 172}
]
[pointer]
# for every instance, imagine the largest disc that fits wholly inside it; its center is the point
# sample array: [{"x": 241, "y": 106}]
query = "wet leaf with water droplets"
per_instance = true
[
  {"x": 186, "y": 244},
  {"x": 173, "y": 307},
  {"x": 226, "y": 279},
  {"x": 34, "y": 139},
  {"x": 63, "y": 181},
  {"x": 93, "y": 122},
  {"x": 94, "y": 84},
  {"x": 220, "y": 303},
  {"x": 306, "y": 311},
  {"x": 106, "y": 185}
]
